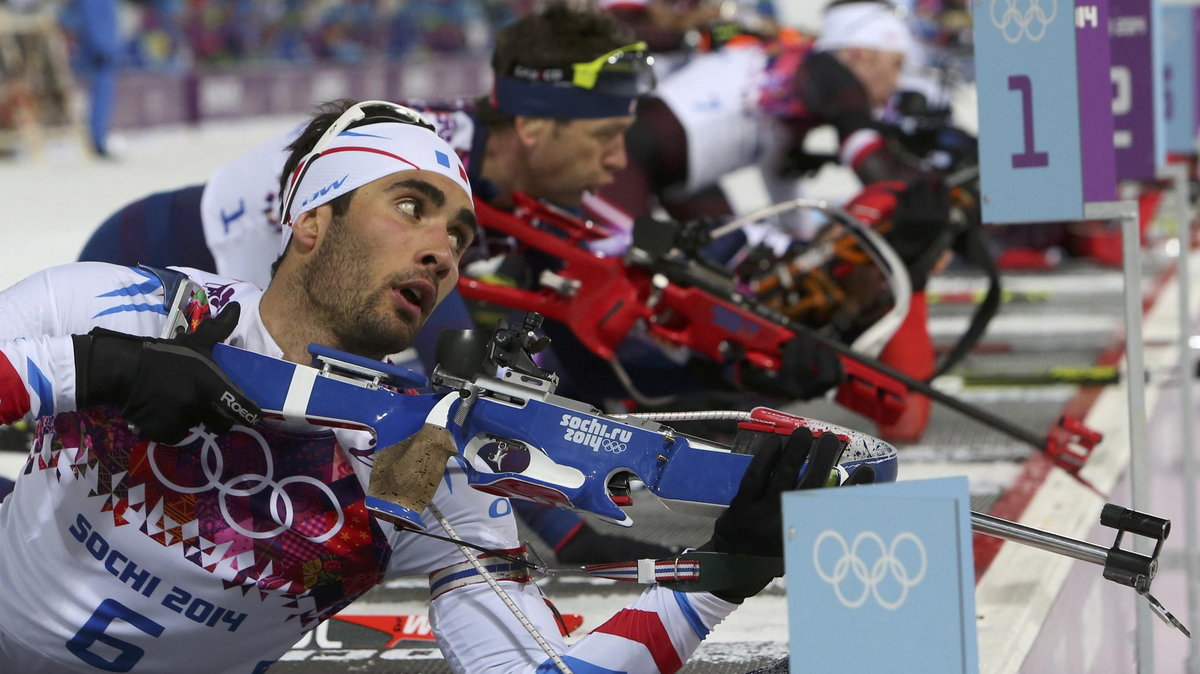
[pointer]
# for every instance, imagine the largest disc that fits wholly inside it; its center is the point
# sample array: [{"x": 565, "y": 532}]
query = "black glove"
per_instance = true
[
  {"x": 164, "y": 387},
  {"x": 753, "y": 523},
  {"x": 808, "y": 370},
  {"x": 921, "y": 227}
]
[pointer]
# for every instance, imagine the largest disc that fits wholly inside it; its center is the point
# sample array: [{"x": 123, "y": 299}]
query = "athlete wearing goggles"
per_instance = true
[{"x": 606, "y": 86}]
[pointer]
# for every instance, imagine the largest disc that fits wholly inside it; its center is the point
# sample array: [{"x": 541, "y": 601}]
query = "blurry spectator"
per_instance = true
[
  {"x": 158, "y": 41},
  {"x": 346, "y": 32},
  {"x": 178, "y": 34},
  {"x": 93, "y": 23},
  {"x": 215, "y": 32},
  {"x": 284, "y": 30},
  {"x": 437, "y": 26}
]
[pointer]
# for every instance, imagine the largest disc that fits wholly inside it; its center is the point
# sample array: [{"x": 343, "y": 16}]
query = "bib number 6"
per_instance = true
[{"x": 92, "y": 633}]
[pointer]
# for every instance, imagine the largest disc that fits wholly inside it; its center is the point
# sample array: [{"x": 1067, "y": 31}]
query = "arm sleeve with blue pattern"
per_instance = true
[{"x": 38, "y": 316}]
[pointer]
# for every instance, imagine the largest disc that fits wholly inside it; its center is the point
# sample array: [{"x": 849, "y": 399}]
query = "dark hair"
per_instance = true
[
  {"x": 327, "y": 114},
  {"x": 554, "y": 37}
]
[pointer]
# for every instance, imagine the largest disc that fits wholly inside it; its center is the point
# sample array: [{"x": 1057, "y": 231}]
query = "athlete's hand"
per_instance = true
[
  {"x": 164, "y": 387},
  {"x": 753, "y": 523},
  {"x": 808, "y": 370}
]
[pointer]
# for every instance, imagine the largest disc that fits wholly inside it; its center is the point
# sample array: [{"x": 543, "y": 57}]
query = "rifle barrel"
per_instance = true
[
  {"x": 918, "y": 386},
  {"x": 1036, "y": 538}
]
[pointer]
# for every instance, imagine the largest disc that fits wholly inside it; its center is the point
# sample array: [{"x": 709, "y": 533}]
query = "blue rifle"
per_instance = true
[{"x": 511, "y": 433}]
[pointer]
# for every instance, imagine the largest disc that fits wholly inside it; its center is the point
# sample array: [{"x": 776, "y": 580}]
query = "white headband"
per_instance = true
[
  {"x": 362, "y": 154},
  {"x": 867, "y": 25}
]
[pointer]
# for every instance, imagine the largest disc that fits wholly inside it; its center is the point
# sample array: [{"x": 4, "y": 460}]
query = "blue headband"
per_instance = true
[{"x": 539, "y": 99}]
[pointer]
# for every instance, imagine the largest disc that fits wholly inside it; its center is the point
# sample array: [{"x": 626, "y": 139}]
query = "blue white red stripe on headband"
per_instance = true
[{"x": 366, "y": 153}]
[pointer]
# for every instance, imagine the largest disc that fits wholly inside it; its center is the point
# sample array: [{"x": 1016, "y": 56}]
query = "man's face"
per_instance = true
[
  {"x": 566, "y": 159},
  {"x": 378, "y": 271},
  {"x": 879, "y": 72}
]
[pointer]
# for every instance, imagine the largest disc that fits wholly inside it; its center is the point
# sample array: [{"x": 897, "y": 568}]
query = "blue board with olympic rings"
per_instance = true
[{"x": 880, "y": 578}]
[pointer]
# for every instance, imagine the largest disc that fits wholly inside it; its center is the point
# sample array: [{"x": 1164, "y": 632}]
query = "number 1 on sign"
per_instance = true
[{"x": 1030, "y": 158}]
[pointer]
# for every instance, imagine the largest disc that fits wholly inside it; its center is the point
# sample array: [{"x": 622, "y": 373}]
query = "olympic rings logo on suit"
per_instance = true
[
  {"x": 850, "y": 562},
  {"x": 1015, "y": 23},
  {"x": 212, "y": 462}
]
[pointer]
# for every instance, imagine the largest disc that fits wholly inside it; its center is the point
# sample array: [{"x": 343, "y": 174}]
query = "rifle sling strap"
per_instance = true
[{"x": 691, "y": 571}]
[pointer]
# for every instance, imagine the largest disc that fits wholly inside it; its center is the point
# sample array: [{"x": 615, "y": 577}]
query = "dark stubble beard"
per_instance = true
[{"x": 338, "y": 290}]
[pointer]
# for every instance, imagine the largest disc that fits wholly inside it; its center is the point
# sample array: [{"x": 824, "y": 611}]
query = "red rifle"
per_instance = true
[{"x": 688, "y": 303}]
